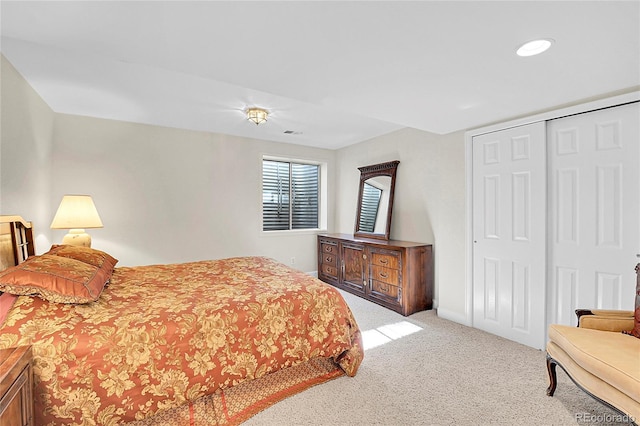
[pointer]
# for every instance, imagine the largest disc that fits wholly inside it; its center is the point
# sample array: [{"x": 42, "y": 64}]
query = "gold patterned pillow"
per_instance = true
[
  {"x": 56, "y": 279},
  {"x": 83, "y": 254}
]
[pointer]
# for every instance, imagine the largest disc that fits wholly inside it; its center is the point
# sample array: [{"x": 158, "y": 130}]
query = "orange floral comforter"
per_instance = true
[{"x": 162, "y": 335}]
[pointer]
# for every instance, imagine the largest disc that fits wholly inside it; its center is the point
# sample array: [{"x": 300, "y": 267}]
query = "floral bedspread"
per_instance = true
[{"x": 162, "y": 335}]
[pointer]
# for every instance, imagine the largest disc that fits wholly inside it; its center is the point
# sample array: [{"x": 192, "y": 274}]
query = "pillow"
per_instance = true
[
  {"x": 636, "y": 314},
  {"x": 83, "y": 254},
  {"x": 56, "y": 279}
]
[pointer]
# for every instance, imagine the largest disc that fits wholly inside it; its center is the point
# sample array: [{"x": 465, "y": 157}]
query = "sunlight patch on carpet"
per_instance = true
[{"x": 387, "y": 333}]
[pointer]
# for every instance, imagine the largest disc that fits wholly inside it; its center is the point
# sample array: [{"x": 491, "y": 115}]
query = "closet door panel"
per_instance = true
[
  {"x": 509, "y": 233},
  {"x": 594, "y": 210}
]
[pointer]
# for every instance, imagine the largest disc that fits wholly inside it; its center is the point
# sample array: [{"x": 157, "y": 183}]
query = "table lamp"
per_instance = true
[{"x": 75, "y": 213}]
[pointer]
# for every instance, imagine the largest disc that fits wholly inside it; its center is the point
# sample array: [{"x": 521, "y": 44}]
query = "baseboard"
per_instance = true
[
  {"x": 313, "y": 274},
  {"x": 454, "y": 316}
]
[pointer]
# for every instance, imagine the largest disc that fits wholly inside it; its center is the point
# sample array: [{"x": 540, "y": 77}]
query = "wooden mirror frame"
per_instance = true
[{"x": 367, "y": 172}]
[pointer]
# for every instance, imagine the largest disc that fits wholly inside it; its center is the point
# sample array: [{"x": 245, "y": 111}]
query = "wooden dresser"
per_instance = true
[
  {"x": 16, "y": 387},
  {"x": 394, "y": 274}
]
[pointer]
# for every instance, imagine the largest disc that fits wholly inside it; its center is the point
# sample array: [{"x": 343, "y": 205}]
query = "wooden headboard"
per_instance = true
[{"x": 16, "y": 241}]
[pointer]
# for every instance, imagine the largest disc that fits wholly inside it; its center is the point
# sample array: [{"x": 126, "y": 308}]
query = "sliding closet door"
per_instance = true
[
  {"x": 509, "y": 234},
  {"x": 594, "y": 199}
]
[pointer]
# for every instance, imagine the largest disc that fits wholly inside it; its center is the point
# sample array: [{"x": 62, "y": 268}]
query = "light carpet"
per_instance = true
[{"x": 439, "y": 373}]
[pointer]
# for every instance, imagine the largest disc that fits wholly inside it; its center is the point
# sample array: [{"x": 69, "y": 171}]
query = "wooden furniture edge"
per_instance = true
[
  {"x": 15, "y": 218},
  {"x": 15, "y": 354},
  {"x": 16, "y": 386},
  {"x": 582, "y": 312},
  {"x": 21, "y": 239}
]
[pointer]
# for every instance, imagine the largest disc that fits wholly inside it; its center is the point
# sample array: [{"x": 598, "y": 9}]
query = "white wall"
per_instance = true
[
  {"x": 26, "y": 125},
  {"x": 169, "y": 195},
  {"x": 429, "y": 204}
]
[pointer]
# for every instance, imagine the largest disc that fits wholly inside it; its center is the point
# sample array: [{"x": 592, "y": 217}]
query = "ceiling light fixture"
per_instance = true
[
  {"x": 534, "y": 47},
  {"x": 257, "y": 115}
]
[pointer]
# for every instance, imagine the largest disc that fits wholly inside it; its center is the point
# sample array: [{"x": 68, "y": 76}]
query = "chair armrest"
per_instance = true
[
  {"x": 612, "y": 313},
  {"x": 605, "y": 320}
]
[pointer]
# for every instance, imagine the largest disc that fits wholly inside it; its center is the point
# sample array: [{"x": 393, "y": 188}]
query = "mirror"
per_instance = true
[{"x": 375, "y": 200}]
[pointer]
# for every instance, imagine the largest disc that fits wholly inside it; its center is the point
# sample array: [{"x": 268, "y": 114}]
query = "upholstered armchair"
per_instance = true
[{"x": 601, "y": 356}]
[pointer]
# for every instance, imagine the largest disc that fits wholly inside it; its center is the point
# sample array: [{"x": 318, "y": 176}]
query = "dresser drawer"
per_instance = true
[
  {"x": 385, "y": 275},
  {"x": 386, "y": 259},
  {"x": 329, "y": 259},
  {"x": 329, "y": 271},
  {"x": 388, "y": 290},
  {"x": 329, "y": 248}
]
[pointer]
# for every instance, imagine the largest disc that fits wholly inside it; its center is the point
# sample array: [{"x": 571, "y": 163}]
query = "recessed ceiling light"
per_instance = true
[{"x": 534, "y": 47}]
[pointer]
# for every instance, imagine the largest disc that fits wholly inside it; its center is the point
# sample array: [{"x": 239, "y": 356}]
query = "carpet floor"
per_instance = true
[{"x": 424, "y": 370}]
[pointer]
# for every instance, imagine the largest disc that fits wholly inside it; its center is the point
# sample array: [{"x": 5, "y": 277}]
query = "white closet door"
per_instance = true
[
  {"x": 594, "y": 210},
  {"x": 509, "y": 219}
]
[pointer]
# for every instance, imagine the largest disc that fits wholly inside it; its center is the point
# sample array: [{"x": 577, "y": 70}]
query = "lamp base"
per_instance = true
[{"x": 77, "y": 237}]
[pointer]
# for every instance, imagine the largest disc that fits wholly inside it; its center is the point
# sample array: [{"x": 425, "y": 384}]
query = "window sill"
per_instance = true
[{"x": 293, "y": 232}]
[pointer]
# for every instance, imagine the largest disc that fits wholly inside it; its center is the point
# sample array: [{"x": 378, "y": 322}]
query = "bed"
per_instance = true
[{"x": 207, "y": 342}]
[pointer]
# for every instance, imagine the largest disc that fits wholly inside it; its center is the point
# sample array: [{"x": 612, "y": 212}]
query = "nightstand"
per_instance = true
[{"x": 16, "y": 386}]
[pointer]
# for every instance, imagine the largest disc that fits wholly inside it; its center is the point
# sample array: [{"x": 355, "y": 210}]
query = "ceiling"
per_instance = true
[{"x": 332, "y": 73}]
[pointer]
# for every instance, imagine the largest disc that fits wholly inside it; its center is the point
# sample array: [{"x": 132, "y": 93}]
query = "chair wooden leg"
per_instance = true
[{"x": 553, "y": 380}]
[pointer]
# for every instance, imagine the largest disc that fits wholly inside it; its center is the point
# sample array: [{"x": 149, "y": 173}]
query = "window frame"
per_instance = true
[{"x": 322, "y": 196}]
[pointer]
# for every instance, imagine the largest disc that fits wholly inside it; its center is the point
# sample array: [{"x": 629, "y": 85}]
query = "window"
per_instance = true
[{"x": 290, "y": 195}]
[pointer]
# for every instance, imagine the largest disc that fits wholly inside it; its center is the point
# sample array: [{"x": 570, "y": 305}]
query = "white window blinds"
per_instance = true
[{"x": 289, "y": 195}]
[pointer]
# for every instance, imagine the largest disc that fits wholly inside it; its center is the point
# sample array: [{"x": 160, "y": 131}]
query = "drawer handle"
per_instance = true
[
  {"x": 384, "y": 261},
  {"x": 328, "y": 249},
  {"x": 384, "y": 287},
  {"x": 328, "y": 259},
  {"x": 383, "y": 275}
]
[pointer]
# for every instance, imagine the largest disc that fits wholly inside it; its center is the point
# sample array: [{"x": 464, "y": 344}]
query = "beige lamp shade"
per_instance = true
[{"x": 76, "y": 212}]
